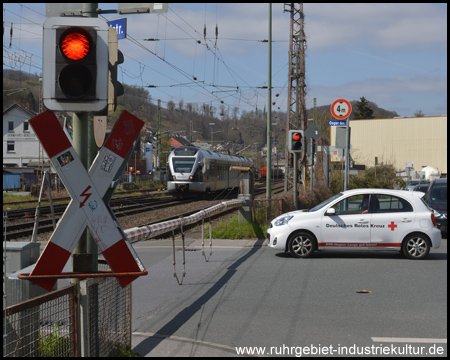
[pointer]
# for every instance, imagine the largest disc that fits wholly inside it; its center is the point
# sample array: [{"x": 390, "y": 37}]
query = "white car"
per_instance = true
[{"x": 363, "y": 219}]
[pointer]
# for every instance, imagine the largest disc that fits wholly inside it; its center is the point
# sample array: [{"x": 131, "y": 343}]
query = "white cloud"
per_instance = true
[
  {"x": 384, "y": 26},
  {"x": 388, "y": 93}
]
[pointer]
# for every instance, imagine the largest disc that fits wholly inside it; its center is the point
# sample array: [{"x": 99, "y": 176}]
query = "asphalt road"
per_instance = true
[{"x": 249, "y": 295}]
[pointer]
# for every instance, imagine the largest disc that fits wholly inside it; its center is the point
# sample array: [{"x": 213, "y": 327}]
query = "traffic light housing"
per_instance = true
[
  {"x": 296, "y": 141},
  {"x": 311, "y": 151},
  {"x": 115, "y": 88},
  {"x": 75, "y": 64}
]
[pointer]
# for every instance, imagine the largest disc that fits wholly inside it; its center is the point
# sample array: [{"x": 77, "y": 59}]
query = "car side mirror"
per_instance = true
[{"x": 330, "y": 212}]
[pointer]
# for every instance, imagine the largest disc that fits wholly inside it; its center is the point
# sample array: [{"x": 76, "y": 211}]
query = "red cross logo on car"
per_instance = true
[{"x": 392, "y": 226}]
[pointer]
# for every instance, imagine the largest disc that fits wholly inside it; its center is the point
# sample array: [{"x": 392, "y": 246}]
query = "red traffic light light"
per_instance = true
[
  {"x": 75, "y": 43},
  {"x": 297, "y": 141}
]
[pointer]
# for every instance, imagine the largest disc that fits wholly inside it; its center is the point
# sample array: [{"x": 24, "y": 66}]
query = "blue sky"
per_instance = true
[{"x": 392, "y": 54}]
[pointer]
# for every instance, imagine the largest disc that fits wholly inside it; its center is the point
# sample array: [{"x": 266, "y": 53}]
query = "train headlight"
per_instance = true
[
  {"x": 174, "y": 177},
  {"x": 191, "y": 177}
]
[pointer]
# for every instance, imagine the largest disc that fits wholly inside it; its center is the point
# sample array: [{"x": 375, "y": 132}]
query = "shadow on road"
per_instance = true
[{"x": 183, "y": 316}]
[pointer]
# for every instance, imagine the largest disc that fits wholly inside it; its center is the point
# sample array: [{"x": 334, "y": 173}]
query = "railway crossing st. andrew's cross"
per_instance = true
[{"x": 87, "y": 207}]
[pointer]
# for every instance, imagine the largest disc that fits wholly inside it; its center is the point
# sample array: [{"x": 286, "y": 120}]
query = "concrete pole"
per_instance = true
[{"x": 269, "y": 113}]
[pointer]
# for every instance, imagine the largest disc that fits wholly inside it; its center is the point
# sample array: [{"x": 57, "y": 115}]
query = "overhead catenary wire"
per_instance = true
[{"x": 212, "y": 90}]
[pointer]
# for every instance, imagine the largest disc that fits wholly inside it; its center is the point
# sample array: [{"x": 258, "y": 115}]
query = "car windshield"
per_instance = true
[{"x": 326, "y": 202}]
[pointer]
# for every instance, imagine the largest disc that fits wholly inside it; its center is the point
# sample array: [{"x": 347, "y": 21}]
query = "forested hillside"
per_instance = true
[{"x": 189, "y": 119}]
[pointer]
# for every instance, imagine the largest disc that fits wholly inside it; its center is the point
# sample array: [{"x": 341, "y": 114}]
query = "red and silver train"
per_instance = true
[{"x": 192, "y": 170}]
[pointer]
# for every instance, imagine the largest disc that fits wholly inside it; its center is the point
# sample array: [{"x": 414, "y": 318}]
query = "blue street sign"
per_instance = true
[
  {"x": 121, "y": 27},
  {"x": 337, "y": 123}
]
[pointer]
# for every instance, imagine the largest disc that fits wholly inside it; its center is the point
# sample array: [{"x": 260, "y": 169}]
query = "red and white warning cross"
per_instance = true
[{"x": 87, "y": 207}]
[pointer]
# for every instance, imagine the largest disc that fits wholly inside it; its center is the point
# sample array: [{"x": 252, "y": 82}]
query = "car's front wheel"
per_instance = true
[
  {"x": 301, "y": 245},
  {"x": 416, "y": 246}
]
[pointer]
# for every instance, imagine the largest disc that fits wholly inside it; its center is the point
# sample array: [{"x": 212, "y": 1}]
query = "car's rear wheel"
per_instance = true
[
  {"x": 416, "y": 246},
  {"x": 301, "y": 245}
]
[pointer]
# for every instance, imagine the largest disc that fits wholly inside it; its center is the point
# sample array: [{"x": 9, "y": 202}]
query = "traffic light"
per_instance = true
[
  {"x": 115, "y": 88},
  {"x": 296, "y": 141},
  {"x": 75, "y": 64}
]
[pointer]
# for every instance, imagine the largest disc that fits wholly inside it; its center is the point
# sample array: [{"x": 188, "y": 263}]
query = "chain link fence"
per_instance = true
[
  {"x": 45, "y": 326},
  {"x": 109, "y": 316}
]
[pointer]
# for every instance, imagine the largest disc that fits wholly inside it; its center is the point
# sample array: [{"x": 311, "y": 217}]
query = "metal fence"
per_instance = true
[
  {"x": 44, "y": 326},
  {"x": 147, "y": 231},
  {"x": 108, "y": 316},
  {"x": 48, "y": 325}
]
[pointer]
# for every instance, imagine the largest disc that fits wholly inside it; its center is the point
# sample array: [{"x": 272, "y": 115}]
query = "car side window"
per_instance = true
[
  {"x": 390, "y": 203},
  {"x": 357, "y": 204}
]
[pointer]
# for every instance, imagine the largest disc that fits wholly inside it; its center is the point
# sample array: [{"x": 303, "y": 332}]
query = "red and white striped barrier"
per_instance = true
[{"x": 145, "y": 232}]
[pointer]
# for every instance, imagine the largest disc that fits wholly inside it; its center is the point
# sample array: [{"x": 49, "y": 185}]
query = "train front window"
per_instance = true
[{"x": 183, "y": 165}]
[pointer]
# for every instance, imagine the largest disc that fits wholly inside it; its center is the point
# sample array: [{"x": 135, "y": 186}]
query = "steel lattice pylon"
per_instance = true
[
  {"x": 296, "y": 118},
  {"x": 297, "y": 48}
]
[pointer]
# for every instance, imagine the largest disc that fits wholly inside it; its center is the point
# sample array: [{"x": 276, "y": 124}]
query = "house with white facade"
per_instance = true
[{"x": 20, "y": 145}]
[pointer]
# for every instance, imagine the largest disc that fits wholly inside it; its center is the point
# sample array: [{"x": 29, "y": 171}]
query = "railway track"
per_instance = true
[
  {"x": 19, "y": 230},
  {"x": 60, "y": 208},
  {"x": 122, "y": 208}
]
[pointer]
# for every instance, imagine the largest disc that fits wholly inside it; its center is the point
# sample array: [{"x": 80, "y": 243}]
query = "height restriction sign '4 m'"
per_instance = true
[{"x": 341, "y": 109}]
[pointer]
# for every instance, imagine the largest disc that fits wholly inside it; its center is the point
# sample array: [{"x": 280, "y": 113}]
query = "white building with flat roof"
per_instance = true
[{"x": 397, "y": 141}]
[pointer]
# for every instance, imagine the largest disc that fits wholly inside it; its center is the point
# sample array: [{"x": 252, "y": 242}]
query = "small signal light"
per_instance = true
[{"x": 76, "y": 44}]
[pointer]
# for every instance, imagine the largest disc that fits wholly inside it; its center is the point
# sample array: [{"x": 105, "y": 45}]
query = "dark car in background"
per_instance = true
[
  {"x": 422, "y": 187},
  {"x": 436, "y": 199},
  {"x": 411, "y": 184}
]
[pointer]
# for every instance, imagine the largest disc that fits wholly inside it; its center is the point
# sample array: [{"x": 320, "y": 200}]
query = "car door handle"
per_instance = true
[
  {"x": 362, "y": 221},
  {"x": 406, "y": 220}
]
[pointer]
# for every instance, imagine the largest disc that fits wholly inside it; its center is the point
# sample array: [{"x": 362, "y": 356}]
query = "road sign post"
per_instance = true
[
  {"x": 341, "y": 109},
  {"x": 87, "y": 207}
]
